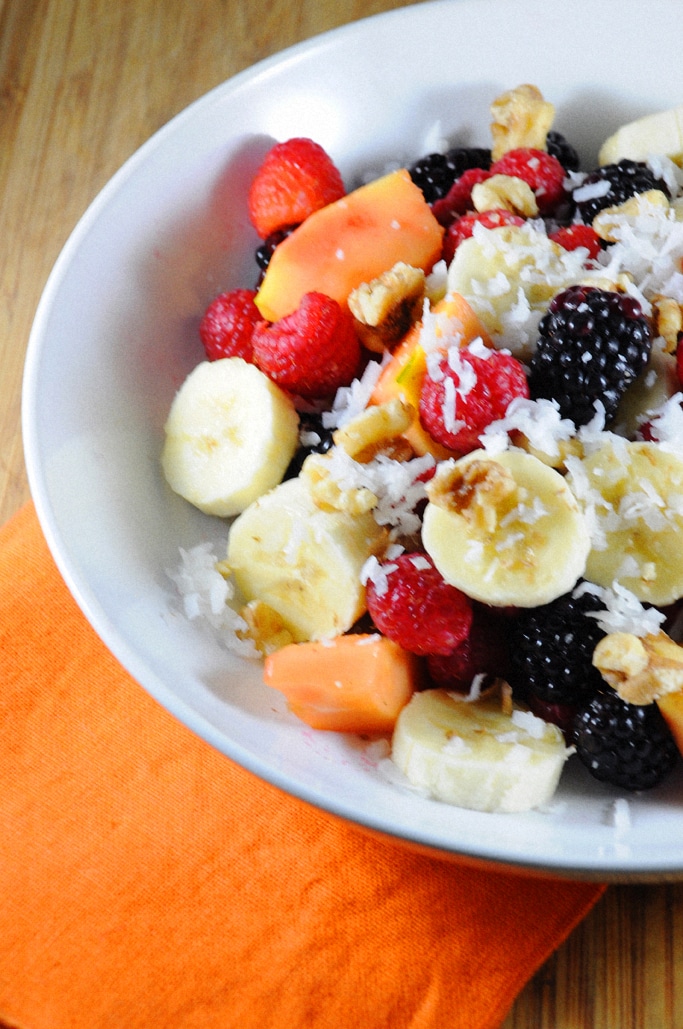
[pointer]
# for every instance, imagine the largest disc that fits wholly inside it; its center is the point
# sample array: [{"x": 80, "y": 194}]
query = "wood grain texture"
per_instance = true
[{"x": 82, "y": 84}]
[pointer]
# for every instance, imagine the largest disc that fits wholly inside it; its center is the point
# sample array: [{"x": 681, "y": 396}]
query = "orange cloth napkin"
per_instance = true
[{"x": 147, "y": 882}]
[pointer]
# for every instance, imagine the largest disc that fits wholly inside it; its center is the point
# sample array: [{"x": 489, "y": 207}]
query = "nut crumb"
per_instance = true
[
  {"x": 521, "y": 118},
  {"x": 505, "y": 192},
  {"x": 640, "y": 670}
]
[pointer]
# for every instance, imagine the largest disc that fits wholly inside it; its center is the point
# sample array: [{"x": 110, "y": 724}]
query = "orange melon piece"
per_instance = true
[
  {"x": 351, "y": 241},
  {"x": 402, "y": 376},
  {"x": 671, "y": 707},
  {"x": 354, "y": 683}
]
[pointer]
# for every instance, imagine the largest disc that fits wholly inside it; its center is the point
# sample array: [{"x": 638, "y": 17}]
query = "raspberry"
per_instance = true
[
  {"x": 624, "y": 744},
  {"x": 592, "y": 344},
  {"x": 543, "y": 173},
  {"x": 227, "y": 326},
  {"x": 463, "y": 227},
  {"x": 458, "y": 200},
  {"x": 571, "y": 237},
  {"x": 412, "y": 605},
  {"x": 562, "y": 149},
  {"x": 296, "y": 178},
  {"x": 311, "y": 352},
  {"x": 436, "y": 173},
  {"x": 622, "y": 181},
  {"x": 468, "y": 392},
  {"x": 484, "y": 651},
  {"x": 552, "y": 648}
]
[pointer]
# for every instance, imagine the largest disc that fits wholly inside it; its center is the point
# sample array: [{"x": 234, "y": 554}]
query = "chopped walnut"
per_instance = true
[
  {"x": 640, "y": 670},
  {"x": 505, "y": 192},
  {"x": 667, "y": 321},
  {"x": 571, "y": 447},
  {"x": 378, "y": 430},
  {"x": 521, "y": 118},
  {"x": 480, "y": 492},
  {"x": 265, "y": 627},
  {"x": 385, "y": 308},
  {"x": 606, "y": 221},
  {"x": 329, "y": 494}
]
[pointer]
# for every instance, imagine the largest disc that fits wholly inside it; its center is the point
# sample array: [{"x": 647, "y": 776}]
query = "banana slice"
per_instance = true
[
  {"x": 633, "y": 493},
  {"x": 505, "y": 530},
  {"x": 303, "y": 562},
  {"x": 230, "y": 435},
  {"x": 509, "y": 275},
  {"x": 474, "y": 755},
  {"x": 660, "y": 133}
]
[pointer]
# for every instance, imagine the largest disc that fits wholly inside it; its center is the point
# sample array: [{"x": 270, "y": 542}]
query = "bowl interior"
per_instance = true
[{"x": 116, "y": 333}]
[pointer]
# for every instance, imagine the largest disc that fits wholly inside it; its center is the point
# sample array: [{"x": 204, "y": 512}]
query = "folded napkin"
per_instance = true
[{"x": 148, "y": 882}]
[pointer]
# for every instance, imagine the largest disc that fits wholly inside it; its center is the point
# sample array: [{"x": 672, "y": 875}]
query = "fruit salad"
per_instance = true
[{"x": 444, "y": 425}]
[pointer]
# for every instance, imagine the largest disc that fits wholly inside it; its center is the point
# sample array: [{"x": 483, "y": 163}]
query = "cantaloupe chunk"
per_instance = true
[
  {"x": 402, "y": 376},
  {"x": 671, "y": 707},
  {"x": 351, "y": 241},
  {"x": 355, "y": 683}
]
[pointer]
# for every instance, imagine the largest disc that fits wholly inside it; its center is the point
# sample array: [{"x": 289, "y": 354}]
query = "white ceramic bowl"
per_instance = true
[{"x": 115, "y": 334}]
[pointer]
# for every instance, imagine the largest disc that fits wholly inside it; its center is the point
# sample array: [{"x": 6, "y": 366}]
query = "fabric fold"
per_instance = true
[{"x": 149, "y": 882}]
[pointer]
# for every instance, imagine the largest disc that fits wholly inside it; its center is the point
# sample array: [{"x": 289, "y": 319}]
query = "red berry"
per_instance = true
[
  {"x": 484, "y": 651},
  {"x": 296, "y": 178},
  {"x": 540, "y": 170},
  {"x": 466, "y": 393},
  {"x": 571, "y": 237},
  {"x": 311, "y": 352},
  {"x": 412, "y": 605},
  {"x": 228, "y": 324},
  {"x": 458, "y": 200},
  {"x": 462, "y": 228}
]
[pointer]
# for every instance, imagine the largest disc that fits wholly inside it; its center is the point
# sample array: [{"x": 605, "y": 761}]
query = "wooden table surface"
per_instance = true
[{"x": 82, "y": 84}]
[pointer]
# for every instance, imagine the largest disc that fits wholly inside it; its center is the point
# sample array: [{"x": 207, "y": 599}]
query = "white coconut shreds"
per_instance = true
[
  {"x": 206, "y": 594},
  {"x": 665, "y": 424},
  {"x": 351, "y": 400},
  {"x": 397, "y": 486},
  {"x": 648, "y": 247},
  {"x": 623, "y": 611},
  {"x": 538, "y": 420}
]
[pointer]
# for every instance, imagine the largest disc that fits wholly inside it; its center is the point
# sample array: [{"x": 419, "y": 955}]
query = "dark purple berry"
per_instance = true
[
  {"x": 436, "y": 173},
  {"x": 626, "y": 179},
  {"x": 627, "y": 745},
  {"x": 592, "y": 344},
  {"x": 562, "y": 149}
]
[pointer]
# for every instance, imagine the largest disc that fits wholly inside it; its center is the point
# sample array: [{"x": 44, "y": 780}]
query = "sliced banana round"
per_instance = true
[
  {"x": 510, "y": 274},
  {"x": 474, "y": 755},
  {"x": 633, "y": 494},
  {"x": 505, "y": 530},
  {"x": 302, "y": 561},
  {"x": 230, "y": 435}
]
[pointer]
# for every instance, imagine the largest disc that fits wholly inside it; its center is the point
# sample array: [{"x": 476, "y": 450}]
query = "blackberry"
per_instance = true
[
  {"x": 562, "y": 149},
  {"x": 314, "y": 439},
  {"x": 624, "y": 744},
  {"x": 267, "y": 248},
  {"x": 626, "y": 179},
  {"x": 551, "y": 651},
  {"x": 592, "y": 344},
  {"x": 436, "y": 173}
]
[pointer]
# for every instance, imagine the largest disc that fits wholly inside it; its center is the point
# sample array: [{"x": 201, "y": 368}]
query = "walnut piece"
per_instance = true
[
  {"x": 480, "y": 492},
  {"x": 265, "y": 627},
  {"x": 521, "y": 118},
  {"x": 505, "y": 192},
  {"x": 328, "y": 493},
  {"x": 667, "y": 321},
  {"x": 385, "y": 308},
  {"x": 378, "y": 430},
  {"x": 640, "y": 670}
]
